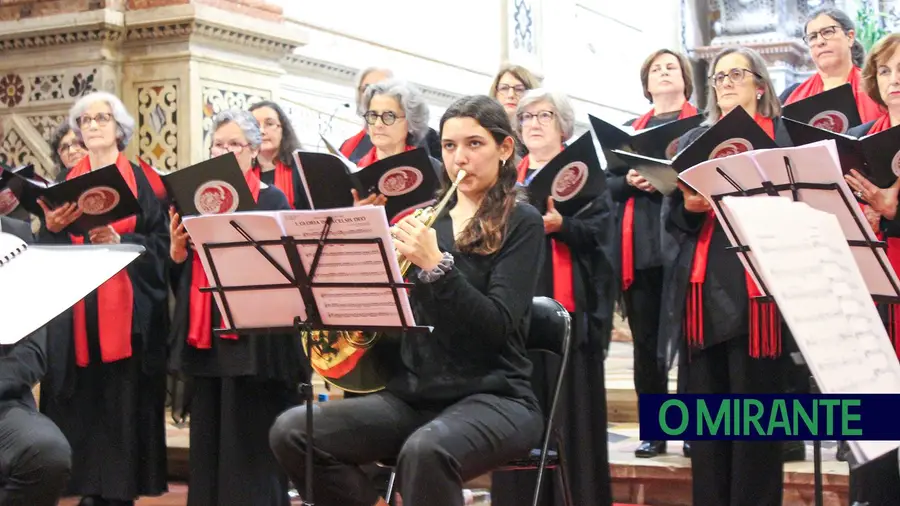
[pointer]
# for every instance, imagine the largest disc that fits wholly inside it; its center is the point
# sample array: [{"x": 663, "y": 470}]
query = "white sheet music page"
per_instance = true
[
  {"x": 350, "y": 263},
  {"x": 33, "y": 295},
  {"x": 246, "y": 266},
  {"x": 808, "y": 267}
]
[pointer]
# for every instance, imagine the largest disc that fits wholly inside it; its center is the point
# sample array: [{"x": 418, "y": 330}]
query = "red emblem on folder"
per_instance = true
[
  {"x": 730, "y": 147},
  {"x": 569, "y": 181},
  {"x": 8, "y": 201},
  {"x": 399, "y": 181},
  {"x": 216, "y": 197},
  {"x": 99, "y": 200},
  {"x": 833, "y": 121}
]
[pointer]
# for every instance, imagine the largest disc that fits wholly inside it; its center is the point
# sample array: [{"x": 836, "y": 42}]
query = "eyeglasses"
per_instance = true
[
  {"x": 826, "y": 33},
  {"x": 222, "y": 148},
  {"x": 65, "y": 148},
  {"x": 543, "y": 117},
  {"x": 270, "y": 124},
  {"x": 736, "y": 76},
  {"x": 101, "y": 119},
  {"x": 519, "y": 89},
  {"x": 387, "y": 117}
]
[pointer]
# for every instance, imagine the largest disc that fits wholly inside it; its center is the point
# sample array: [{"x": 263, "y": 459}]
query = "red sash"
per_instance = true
[
  {"x": 765, "y": 323},
  {"x": 868, "y": 109},
  {"x": 284, "y": 179},
  {"x": 115, "y": 298},
  {"x": 893, "y": 252},
  {"x": 563, "y": 289},
  {"x": 200, "y": 303},
  {"x": 159, "y": 189},
  {"x": 372, "y": 157},
  {"x": 687, "y": 110}
]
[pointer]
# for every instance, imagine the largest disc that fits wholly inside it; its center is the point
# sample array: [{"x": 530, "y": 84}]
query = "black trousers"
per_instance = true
[
  {"x": 35, "y": 458},
  {"x": 876, "y": 483},
  {"x": 735, "y": 473},
  {"x": 437, "y": 450},
  {"x": 642, "y": 306}
]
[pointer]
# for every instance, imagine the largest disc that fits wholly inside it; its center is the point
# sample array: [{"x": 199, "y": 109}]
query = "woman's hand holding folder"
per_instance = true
[{"x": 56, "y": 220}]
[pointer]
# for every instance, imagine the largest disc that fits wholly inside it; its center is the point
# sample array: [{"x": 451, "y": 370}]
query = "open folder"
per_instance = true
[
  {"x": 31, "y": 298},
  {"x": 573, "y": 178},
  {"x": 833, "y": 110}
]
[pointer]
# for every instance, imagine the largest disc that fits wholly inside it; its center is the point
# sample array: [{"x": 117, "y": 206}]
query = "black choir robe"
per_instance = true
[
  {"x": 240, "y": 386},
  {"x": 113, "y": 414},
  {"x": 582, "y": 411},
  {"x": 300, "y": 201}
]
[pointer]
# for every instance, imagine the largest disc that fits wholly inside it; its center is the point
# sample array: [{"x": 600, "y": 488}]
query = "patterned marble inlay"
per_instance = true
[
  {"x": 46, "y": 87},
  {"x": 216, "y": 100},
  {"x": 524, "y": 27},
  {"x": 82, "y": 83},
  {"x": 46, "y": 125},
  {"x": 158, "y": 125},
  {"x": 14, "y": 152},
  {"x": 12, "y": 90}
]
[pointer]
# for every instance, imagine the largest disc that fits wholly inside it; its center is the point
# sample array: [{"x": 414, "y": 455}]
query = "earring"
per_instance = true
[{"x": 758, "y": 95}]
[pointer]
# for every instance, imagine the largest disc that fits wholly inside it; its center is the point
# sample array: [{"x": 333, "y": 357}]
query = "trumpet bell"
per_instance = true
[{"x": 350, "y": 361}]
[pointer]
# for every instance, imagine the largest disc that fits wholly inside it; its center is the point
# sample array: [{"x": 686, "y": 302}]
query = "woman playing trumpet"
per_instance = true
[{"x": 461, "y": 402}]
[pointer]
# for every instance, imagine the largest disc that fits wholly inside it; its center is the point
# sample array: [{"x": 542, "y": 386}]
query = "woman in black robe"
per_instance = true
[
  {"x": 545, "y": 121},
  {"x": 241, "y": 383},
  {"x": 107, "y": 383}
]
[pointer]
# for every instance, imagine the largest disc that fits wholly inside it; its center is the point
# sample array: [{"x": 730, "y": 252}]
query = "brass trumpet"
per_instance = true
[{"x": 345, "y": 359}]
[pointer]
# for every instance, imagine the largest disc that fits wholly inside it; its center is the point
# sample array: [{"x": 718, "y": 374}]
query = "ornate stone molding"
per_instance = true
[
  {"x": 202, "y": 23},
  {"x": 787, "y": 53},
  {"x": 60, "y": 30}
]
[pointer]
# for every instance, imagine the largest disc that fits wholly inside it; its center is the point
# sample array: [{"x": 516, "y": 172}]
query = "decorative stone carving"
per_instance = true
[
  {"x": 157, "y": 118},
  {"x": 15, "y": 151},
  {"x": 45, "y": 87},
  {"x": 104, "y": 34},
  {"x": 523, "y": 33},
  {"x": 12, "y": 90},
  {"x": 216, "y": 100},
  {"x": 46, "y": 125}
]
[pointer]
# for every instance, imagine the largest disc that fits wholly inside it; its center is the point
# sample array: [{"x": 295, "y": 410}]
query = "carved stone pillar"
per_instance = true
[{"x": 174, "y": 63}]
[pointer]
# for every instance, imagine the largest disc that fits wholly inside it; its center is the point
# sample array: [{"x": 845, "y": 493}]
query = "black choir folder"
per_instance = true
[
  {"x": 876, "y": 156},
  {"x": 735, "y": 133},
  {"x": 833, "y": 110},
  {"x": 407, "y": 179},
  {"x": 656, "y": 142},
  {"x": 573, "y": 178},
  {"x": 102, "y": 194},
  {"x": 215, "y": 186}
]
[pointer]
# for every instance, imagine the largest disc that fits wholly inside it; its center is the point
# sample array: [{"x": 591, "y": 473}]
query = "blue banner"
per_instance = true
[{"x": 871, "y": 417}]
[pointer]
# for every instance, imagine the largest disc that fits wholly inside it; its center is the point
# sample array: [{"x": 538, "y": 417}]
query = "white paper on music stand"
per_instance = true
[
  {"x": 346, "y": 263},
  {"x": 809, "y": 269},
  {"x": 812, "y": 163},
  {"x": 352, "y": 263},
  {"x": 245, "y": 266},
  {"x": 43, "y": 281}
]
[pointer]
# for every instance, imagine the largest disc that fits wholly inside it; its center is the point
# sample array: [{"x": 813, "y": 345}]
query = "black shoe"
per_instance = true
[
  {"x": 843, "y": 451},
  {"x": 650, "y": 449},
  {"x": 793, "y": 451},
  {"x": 686, "y": 449}
]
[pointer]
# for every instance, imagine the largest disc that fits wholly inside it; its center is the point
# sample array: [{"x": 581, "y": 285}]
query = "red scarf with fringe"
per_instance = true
[
  {"x": 868, "y": 109},
  {"x": 893, "y": 253},
  {"x": 115, "y": 298},
  {"x": 765, "y": 322},
  {"x": 687, "y": 110},
  {"x": 200, "y": 303},
  {"x": 284, "y": 179},
  {"x": 563, "y": 289}
]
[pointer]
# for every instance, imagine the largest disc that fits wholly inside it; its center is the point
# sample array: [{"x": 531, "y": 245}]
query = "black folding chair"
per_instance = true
[{"x": 550, "y": 332}]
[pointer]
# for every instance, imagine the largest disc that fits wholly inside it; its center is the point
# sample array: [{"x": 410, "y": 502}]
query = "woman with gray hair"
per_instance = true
[
  {"x": 107, "y": 381},
  {"x": 733, "y": 340},
  {"x": 397, "y": 118},
  {"x": 578, "y": 272},
  {"x": 241, "y": 383}
]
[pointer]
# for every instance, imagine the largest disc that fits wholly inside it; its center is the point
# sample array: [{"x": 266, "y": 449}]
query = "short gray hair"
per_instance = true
[
  {"x": 411, "y": 100},
  {"x": 361, "y": 76},
  {"x": 562, "y": 107},
  {"x": 245, "y": 120},
  {"x": 124, "y": 121}
]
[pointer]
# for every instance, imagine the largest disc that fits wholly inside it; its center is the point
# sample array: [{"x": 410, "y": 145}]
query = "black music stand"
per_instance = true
[
  {"x": 774, "y": 190},
  {"x": 301, "y": 279}
]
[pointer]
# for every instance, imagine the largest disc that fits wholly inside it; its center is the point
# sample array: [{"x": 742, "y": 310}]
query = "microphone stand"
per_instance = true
[{"x": 326, "y": 126}]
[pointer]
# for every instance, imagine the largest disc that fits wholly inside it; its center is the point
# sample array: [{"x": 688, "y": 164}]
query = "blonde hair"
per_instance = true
[{"x": 880, "y": 53}]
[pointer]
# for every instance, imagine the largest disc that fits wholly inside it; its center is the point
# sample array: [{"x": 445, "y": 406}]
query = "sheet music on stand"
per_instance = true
[
  {"x": 811, "y": 272},
  {"x": 811, "y": 174},
  {"x": 351, "y": 256}
]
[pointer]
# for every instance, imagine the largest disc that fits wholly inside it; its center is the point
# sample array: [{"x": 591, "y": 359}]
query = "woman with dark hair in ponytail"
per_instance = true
[
  {"x": 831, "y": 37},
  {"x": 460, "y": 403},
  {"x": 274, "y": 165}
]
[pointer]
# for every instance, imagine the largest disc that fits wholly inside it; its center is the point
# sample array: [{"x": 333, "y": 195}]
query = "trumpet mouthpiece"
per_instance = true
[{"x": 460, "y": 176}]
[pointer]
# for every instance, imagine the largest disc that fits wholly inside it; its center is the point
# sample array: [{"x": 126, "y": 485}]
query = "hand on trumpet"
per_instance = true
[{"x": 417, "y": 243}]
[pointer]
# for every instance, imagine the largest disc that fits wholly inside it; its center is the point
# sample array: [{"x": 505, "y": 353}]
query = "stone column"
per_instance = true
[{"x": 174, "y": 63}]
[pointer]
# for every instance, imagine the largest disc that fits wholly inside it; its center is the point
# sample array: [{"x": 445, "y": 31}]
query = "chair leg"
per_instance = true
[
  {"x": 562, "y": 474},
  {"x": 390, "y": 487}
]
